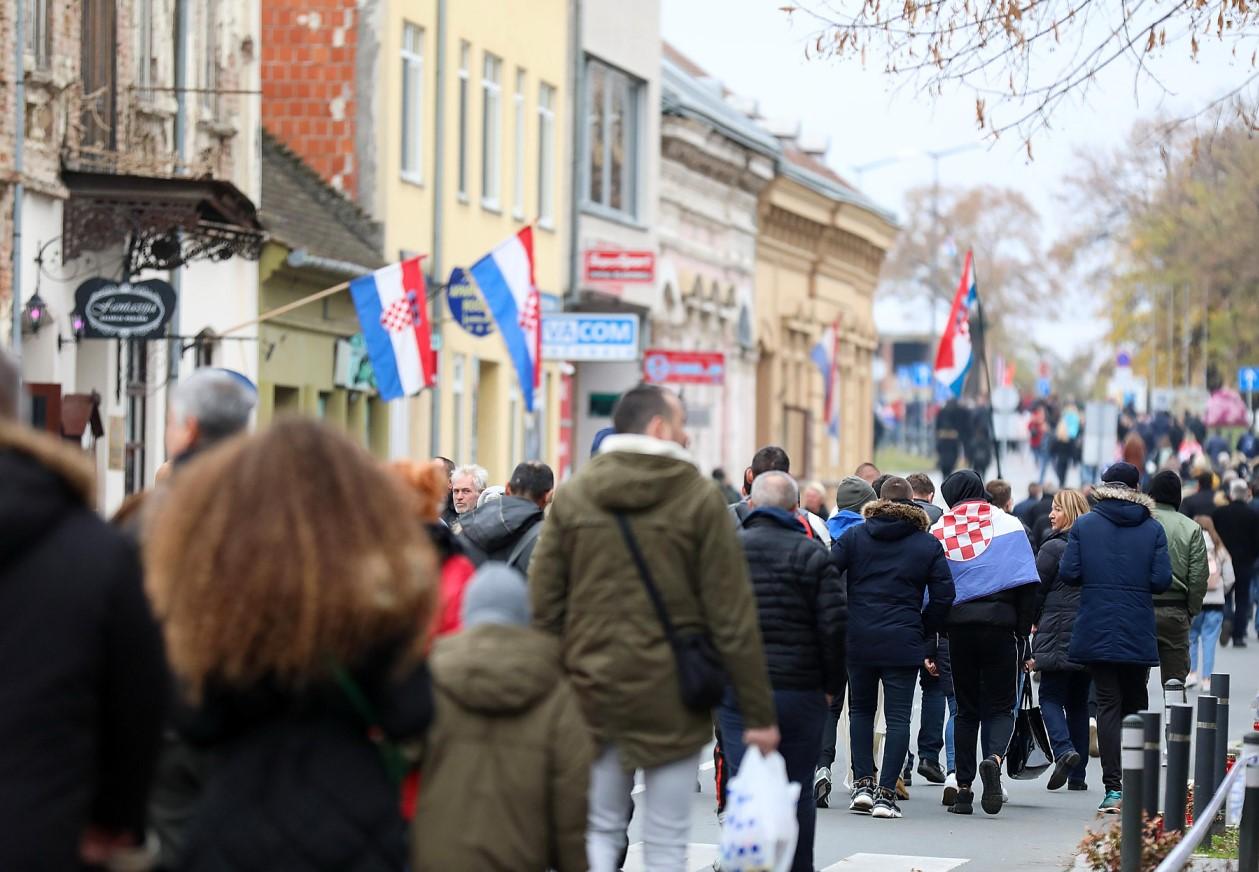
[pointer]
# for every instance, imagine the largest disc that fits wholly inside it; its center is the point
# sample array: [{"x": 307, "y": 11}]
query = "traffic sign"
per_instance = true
[
  {"x": 1248, "y": 378},
  {"x": 588, "y": 336},
  {"x": 1043, "y": 387},
  {"x": 922, "y": 375}
]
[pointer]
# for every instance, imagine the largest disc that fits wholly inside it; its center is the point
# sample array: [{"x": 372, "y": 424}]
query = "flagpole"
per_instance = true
[{"x": 983, "y": 350}]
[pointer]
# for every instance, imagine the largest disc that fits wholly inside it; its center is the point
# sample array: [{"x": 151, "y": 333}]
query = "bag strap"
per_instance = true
[
  {"x": 390, "y": 754},
  {"x": 645, "y": 574},
  {"x": 530, "y": 536}
]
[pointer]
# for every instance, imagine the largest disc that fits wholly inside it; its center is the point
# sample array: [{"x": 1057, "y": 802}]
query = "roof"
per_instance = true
[
  {"x": 304, "y": 212},
  {"x": 688, "y": 89}
]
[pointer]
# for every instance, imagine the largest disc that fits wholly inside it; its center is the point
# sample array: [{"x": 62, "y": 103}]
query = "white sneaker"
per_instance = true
[
  {"x": 1191, "y": 680},
  {"x": 950, "y": 789},
  {"x": 1206, "y": 686},
  {"x": 1005, "y": 794}
]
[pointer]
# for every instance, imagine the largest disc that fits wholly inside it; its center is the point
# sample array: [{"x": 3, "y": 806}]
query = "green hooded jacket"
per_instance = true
[
  {"x": 585, "y": 589},
  {"x": 1188, "y": 553}
]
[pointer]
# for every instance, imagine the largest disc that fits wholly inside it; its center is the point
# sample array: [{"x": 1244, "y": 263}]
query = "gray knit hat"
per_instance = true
[
  {"x": 853, "y": 493},
  {"x": 497, "y": 594}
]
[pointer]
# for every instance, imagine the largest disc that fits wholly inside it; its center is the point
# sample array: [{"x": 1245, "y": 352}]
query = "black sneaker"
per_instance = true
[
  {"x": 965, "y": 802},
  {"x": 930, "y": 770},
  {"x": 1062, "y": 770},
  {"x": 1077, "y": 785},
  {"x": 822, "y": 786},
  {"x": 862, "y": 796},
  {"x": 992, "y": 799},
  {"x": 885, "y": 804},
  {"x": 907, "y": 774}
]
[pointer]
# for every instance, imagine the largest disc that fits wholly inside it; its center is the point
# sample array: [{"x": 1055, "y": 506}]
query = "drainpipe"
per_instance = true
[
  {"x": 576, "y": 88},
  {"x": 19, "y": 67},
  {"x": 174, "y": 352},
  {"x": 435, "y": 258}
]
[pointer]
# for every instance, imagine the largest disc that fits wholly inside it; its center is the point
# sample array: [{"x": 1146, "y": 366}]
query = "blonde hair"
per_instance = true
[
  {"x": 277, "y": 555},
  {"x": 1072, "y": 504}
]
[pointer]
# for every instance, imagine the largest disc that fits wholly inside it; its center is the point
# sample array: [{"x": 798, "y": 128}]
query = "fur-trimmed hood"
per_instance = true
[
  {"x": 1122, "y": 506},
  {"x": 892, "y": 520},
  {"x": 41, "y": 479}
]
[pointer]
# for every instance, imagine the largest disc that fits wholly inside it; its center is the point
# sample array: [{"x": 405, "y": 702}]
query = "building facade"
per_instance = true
[{"x": 137, "y": 157}]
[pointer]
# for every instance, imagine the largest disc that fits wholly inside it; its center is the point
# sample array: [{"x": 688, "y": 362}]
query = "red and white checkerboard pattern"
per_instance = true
[
  {"x": 399, "y": 316},
  {"x": 966, "y": 532}
]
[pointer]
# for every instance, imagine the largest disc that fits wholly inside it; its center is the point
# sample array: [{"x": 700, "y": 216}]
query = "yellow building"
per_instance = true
[
  {"x": 471, "y": 148},
  {"x": 819, "y": 247}
]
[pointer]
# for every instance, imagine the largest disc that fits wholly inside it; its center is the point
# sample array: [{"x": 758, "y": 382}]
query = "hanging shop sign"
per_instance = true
[
  {"x": 612, "y": 265},
  {"x": 467, "y": 306},
  {"x": 661, "y": 366},
  {"x": 124, "y": 310}
]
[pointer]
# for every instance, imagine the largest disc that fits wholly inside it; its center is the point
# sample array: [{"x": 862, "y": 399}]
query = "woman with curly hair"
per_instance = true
[{"x": 295, "y": 595}]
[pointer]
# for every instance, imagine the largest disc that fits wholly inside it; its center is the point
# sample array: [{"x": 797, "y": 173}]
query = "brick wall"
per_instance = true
[{"x": 308, "y": 102}]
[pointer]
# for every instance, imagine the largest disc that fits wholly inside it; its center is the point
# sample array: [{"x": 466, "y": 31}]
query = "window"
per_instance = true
[
  {"x": 39, "y": 32},
  {"x": 412, "y": 102},
  {"x": 98, "y": 49},
  {"x": 546, "y": 155},
  {"x": 518, "y": 139},
  {"x": 491, "y": 131},
  {"x": 456, "y": 398},
  {"x": 146, "y": 55},
  {"x": 465, "y": 54},
  {"x": 210, "y": 60},
  {"x": 612, "y": 143}
]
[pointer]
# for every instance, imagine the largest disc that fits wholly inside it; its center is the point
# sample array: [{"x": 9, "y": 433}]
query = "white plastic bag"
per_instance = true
[{"x": 760, "y": 830}]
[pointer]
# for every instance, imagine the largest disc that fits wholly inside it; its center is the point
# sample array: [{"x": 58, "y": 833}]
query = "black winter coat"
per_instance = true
[
  {"x": 493, "y": 530},
  {"x": 1238, "y": 526},
  {"x": 1057, "y": 604},
  {"x": 892, "y": 561},
  {"x": 296, "y": 783},
  {"x": 1012, "y": 609},
  {"x": 800, "y": 603},
  {"x": 83, "y": 681}
]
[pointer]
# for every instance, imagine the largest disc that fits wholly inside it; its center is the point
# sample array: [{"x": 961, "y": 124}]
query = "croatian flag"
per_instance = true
[
  {"x": 393, "y": 314},
  {"x": 954, "y": 357},
  {"x": 987, "y": 550},
  {"x": 825, "y": 356},
  {"x": 505, "y": 277}
]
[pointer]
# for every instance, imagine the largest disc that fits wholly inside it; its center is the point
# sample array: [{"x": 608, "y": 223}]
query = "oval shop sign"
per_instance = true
[{"x": 124, "y": 310}]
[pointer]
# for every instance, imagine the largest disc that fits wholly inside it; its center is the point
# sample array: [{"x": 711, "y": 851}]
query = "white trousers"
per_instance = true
[{"x": 665, "y": 810}]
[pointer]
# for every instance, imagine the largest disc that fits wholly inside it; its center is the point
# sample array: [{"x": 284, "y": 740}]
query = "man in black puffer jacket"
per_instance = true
[
  {"x": 507, "y": 529},
  {"x": 802, "y": 613}
]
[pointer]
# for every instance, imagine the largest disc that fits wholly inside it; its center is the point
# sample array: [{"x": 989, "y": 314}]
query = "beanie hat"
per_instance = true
[
  {"x": 1122, "y": 473},
  {"x": 1165, "y": 488},
  {"x": 852, "y": 494},
  {"x": 497, "y": 594}
]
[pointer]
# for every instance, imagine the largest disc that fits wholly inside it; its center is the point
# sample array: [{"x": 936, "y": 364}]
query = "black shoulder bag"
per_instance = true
[{"x": 701, "y": 677}]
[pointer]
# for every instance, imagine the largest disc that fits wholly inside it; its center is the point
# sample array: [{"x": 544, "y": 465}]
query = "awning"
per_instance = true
[{"x": 166, "y": 222}]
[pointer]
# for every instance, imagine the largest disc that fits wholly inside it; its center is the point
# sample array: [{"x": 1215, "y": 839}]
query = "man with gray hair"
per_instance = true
[
  {"x": 207, "y": 407},
  {"x": 802, "y": 611},
  {"x": 466, "y": 484},
  {"x": 1238, "y": 526}
]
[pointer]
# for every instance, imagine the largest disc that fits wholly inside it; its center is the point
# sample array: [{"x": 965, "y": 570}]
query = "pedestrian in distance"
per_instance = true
[
  {"x": 1175, "y": 609},
  {"x": 899, "y": 593},
  {"x": 1202, "y": 500},
  {"x": 1238, "y": 526},
  {"x": 506, "y": 530},
  {"x": 867, "y": 472},
  {"x": 951, "y": 426},
  {"x": 1023, "y": 511},
  {"x": 731, "y": 495},
  {"x": 1064, "y": 685},
  {"x": 801, "y": 610},
  {"x": 294, "y": 593},
  {"x": 1205, "y": 630},
  {"x": 508, "y": 719},
  {"x": 925, "y": 494},
  {"x": 852, "y": 495},
  {"x": 813, "y": 500},
  {"x": 636, "y": 518},
  {"x": 1117, "y": 555},
  {"x": 995, "y": 579},
  {"x": 772, "y": 458},
  {"x": 467, "y": 483},
  {"x": 83, "y": 679}
]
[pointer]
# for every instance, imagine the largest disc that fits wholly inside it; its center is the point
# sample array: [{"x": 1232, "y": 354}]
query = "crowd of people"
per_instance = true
[{"x": 288, "y": 655}]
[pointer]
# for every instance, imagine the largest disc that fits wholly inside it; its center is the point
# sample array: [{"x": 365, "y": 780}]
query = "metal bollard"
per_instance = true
[
  {"x": 1133, "y": 778},
  {"x": 1174, "y": 693},
  {"x": 1153, "y": 724},
  {"x": 1219, "y": 690},
  {"x": 1248, "y": 848},
  {"x": 1204, "y": 758},
  {"x": 1179, "y": 735}
]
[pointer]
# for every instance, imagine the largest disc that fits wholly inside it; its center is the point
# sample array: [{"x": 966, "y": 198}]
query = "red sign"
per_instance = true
[
  {"x": 684, "y": 367},
  {"x": 611, "y": 265}
]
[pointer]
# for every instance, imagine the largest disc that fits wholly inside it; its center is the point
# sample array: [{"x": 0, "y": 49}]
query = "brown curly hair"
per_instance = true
[
  {"x": 428, "y": 483},
  {"x": 278, "y": 553}
]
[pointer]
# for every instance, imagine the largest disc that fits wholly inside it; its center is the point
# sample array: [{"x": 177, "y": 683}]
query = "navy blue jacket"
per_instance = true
[
  {"x": 891, "y": 561},
  {"x": 1118, "y": 554}
]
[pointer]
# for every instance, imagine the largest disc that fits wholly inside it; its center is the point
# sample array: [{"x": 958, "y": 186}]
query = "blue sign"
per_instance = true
[
  {"x": 923, "y": 375},
  {"x": 1043, "y": 387},
  {"x": 466, "y": 305},
  {"x": 1248, "y": 378},
  {"x": 588, "y": 336}
]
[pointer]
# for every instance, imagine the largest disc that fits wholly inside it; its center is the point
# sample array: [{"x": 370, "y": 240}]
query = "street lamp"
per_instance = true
[{"x": 34, "y": 314}]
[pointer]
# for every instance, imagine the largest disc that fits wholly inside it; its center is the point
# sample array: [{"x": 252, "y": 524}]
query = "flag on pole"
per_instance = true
[
  {"x": 825, "y": 356},
  {"x": 505, "y": 277},
  {"x": 393, "y": 314},
  {"x": 953, "y": 360}
]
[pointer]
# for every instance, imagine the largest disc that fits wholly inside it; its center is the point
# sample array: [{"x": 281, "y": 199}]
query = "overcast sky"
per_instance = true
[{"x": 758, "y": 51}]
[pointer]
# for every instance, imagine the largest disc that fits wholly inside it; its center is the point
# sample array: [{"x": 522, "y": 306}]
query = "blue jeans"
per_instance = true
[
  {"x": 898, "y": 706},
  {"x": 934, "y": 731},
  {"x": 1042, "y": 455},
  {"x": 1205, "y": 628},
  {"x": 801, "y": 719},
  {"x": 1064, "y": 704}
]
